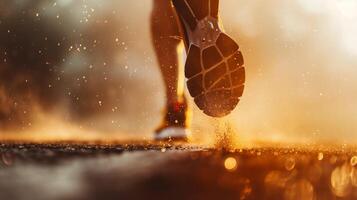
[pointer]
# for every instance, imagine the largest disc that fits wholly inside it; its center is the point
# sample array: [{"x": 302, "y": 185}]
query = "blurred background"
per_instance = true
[{"x": 86, "y": 69}]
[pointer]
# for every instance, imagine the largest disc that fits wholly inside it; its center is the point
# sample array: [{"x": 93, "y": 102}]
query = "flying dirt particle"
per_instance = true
[{"x": 225, "y": 137}]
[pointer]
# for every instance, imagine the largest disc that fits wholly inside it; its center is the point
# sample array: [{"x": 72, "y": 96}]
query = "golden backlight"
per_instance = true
[{"x": 299, "y": 57}]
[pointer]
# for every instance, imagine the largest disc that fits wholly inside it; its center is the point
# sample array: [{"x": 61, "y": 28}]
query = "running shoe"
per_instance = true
[
  {"x": 214, "y": 66},
  {"x": 175, "y": 124}
]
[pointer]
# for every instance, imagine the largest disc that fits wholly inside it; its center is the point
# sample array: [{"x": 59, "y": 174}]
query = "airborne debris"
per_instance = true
[{"x": 225, "y": 136}]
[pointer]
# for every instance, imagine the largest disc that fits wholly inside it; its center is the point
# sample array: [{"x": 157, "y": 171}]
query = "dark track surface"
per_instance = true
[{"x": 156, "y": 171}]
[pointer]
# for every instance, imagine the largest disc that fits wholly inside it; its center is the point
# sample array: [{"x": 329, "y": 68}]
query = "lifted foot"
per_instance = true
[{"x": 214, "y": 66}]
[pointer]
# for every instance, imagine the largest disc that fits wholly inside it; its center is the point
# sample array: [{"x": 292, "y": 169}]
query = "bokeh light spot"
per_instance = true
[{"x": 230, "y": 164}]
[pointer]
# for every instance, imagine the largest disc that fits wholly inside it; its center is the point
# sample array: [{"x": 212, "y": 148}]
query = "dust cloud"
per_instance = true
[{"x": 90, "y": 64}]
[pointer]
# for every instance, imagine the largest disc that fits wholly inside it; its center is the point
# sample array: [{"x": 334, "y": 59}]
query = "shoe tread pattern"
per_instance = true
[
  {"x": 219, "y": 84},
  {"x": 215, "y": 74}
]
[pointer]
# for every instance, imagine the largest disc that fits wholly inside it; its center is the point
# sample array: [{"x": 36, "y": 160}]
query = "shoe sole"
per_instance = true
[{"x": 214, "y": 66}]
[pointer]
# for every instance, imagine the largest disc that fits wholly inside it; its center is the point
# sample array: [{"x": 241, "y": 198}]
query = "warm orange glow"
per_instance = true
[{"x": 295, "y": 93}]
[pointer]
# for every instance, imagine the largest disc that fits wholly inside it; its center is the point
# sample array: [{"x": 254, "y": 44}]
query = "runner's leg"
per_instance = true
[{"x": 166, "y": 39}]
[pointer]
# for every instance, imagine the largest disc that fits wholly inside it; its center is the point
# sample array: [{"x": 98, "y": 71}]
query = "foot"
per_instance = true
[
  {"x": 175, "y": 124},
  {"x": 214, "y": 65}
]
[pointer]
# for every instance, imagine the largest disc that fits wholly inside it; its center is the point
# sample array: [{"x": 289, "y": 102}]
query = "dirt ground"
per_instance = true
[{"x": 172, "y": 171}]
